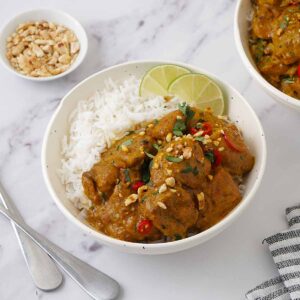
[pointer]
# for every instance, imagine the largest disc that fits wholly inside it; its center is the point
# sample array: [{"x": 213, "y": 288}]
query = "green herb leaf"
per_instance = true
[
  {"x": 174, "y": 159},
  {"x": 288, "y": 79},
  {"x": 284, "y": 24},
  {"x": 130, "y": 132},
  {"x": 210, "y": 156},
  {"x": 188, "y": 169},
  {"x": 156, "y": 146},
  {"x": 156, "y": 121},
  {"x": 179, "y": 127},
  {"x": 177, "y": 237},
  {"x": 195, "y": 171},
  {"x": 149, "y": 155},
  {"x": 127, "y": 176},
  {"x": 186, "y": 110},
  {"x": 145, "y": 171},
  {"x": 127, "y": 142},
  {"x": 182, "y": 107},
  {"x": 199, "y": 139}
]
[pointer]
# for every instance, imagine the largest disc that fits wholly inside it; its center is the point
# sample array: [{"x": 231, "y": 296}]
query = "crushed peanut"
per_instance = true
[
  {"x": 142, "y": 133},
  {"x": 201, "y": 200},
  {"x": 131, "y": 199},
  {"x": 169, "y": 172},
  {"x": 169, "y": 149},
  {"x": 170, "y": 181},
  {"x": 187, "y": 153},
  {"x": 124, "y": 148},
  {"x": 221, "y": 149},
  {"x": 42, "y": 49},
  {"x": 162, "y": 188},
  {"x": 161, "y": 205},
  {"x": 169, "y": 137},
  {"x": 210, "y": 177}
]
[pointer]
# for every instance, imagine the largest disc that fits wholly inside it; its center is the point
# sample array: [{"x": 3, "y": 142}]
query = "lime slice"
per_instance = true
[
  {"x": 157, "y": 80},
  {"x": 198, "y": 90}
]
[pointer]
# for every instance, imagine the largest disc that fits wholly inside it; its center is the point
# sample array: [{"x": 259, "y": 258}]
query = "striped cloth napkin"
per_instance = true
[{"x": 285, "y": 250}]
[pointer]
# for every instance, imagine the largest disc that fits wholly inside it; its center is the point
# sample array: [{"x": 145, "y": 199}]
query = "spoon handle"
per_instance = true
[
  {"x": 98, "y": 285},
  {"x": 44, "y": 272}
]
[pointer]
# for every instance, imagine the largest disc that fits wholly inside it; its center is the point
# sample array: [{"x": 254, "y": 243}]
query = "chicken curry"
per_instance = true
[
  {"x": 275, "y": 43},
  {"x": 168, "y": 179}
]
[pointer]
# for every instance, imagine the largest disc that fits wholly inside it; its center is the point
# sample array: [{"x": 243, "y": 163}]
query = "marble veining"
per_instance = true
[{"x": 197, "y": 32}]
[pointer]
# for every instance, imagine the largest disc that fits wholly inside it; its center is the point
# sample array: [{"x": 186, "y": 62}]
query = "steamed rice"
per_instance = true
[{"x": 98, "y": 121}]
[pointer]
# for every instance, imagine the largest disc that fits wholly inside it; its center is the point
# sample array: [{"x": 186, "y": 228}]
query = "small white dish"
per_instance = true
[
  {"x": 49, "y": 15},
  {"x": 238, "y": 110},
  {"x": 241, "y": 34}
]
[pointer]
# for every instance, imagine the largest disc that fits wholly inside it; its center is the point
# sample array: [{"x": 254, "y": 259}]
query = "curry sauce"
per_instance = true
[
  {"x": 275, "y": 43},
  {"x": 169, "y": 178}
]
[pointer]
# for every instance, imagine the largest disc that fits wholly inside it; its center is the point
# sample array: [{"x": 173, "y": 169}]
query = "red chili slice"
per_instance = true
[
  {"x": 207, "y": 128},
  {"x": 298, "y": 71},
  {"x": 135, "y": 186},
  {"x": 218, "y": 158},
  {"x": 230, "y": 144},
  {"x": 193, "y": 130},
  {"x": 144, "y": 226}
]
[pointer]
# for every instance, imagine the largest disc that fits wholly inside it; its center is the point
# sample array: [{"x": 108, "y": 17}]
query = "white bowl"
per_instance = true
[
  {"x": 241, "y": 30},
  {"x": 238, "y": 110},
  {"x": 49, "y": 15}
]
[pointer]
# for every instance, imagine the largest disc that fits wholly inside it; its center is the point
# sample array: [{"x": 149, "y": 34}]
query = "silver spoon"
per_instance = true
[
  {"x": 43, "y": 270},
  {"x": 98, "y": 285}
]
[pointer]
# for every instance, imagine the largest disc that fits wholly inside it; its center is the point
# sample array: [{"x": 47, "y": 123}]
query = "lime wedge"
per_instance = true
[
  {"x": 198, "y": 90},
  {"x": 157, "y": 80}
]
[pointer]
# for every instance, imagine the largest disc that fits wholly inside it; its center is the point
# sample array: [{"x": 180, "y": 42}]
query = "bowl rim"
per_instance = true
[
  {"x": 280, "y": 96},
  {"x": 83, "y": 40},
  {"x": 204, "y": 235}
]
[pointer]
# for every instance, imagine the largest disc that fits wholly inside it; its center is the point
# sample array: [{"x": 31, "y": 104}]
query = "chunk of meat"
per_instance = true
[
  {"x": 291, "y": 88},
  {"x": 236, "y": 157},
  {"x": 116, "y": 219},
  {"x": 130, "y": 151},
  {"x": 172, "y": 212},
  {"x": 221, "y": 196},
  {"x": 99, "y": 182},
  {"x": 286, "y": 38},
  {"x": 190, "y": 171},
  {"x": 164, "y": 125}
]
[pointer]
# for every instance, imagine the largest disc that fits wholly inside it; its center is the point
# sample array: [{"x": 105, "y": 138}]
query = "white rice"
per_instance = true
[{"x": 96, "y": 122}]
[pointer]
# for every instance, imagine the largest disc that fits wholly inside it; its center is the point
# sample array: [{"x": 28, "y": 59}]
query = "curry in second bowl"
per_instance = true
[{"x": 275, "y": 43}]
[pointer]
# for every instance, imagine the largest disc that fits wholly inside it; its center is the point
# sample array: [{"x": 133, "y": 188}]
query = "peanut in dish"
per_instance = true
[{"x": 42, "y": 49}]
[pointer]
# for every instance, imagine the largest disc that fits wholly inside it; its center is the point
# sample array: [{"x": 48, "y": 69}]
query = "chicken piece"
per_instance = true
[
  {"x": 173, "y": 212},
  {"x": 164, "y": 125},
  {"x": 100, "y": 180},
  {"x": 286, "y": 36},
  {"x": 221, "y": 196},
  {"x": 183, "y": 160},
  {"x": 130, "y": 150},
  {"x": 117, "y": 220},
  {"x": 272, "y": 66},
  {"x": 236, "y": 157}
]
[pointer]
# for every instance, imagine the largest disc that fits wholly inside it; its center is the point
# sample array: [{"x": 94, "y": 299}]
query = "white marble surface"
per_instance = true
[{"x": 198, "y": 32}]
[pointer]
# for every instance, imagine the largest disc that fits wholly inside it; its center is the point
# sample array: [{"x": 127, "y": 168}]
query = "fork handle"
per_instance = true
[
  {"x": 95, "y": 283},
  {"x": 44, "y": 272}
]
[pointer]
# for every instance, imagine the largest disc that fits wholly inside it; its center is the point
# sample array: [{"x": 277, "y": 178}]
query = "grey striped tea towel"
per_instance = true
[{"x": 285, "y": 250}]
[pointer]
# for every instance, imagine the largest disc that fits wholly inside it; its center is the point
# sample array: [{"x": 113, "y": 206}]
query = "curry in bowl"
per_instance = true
[
  {"x": 274, "y": 42},
  {"x": 169, "y": 178}
]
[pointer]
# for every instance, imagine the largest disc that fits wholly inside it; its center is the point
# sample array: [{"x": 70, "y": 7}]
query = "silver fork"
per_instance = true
[
  {"x": 95, "y": 283},
  {"x": 44, "y": 272}
]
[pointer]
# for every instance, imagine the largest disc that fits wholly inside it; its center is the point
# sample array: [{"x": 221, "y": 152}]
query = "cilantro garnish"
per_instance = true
[
  {"x": 179, "y": 127},
  {"x": 127, "y": 175},
  {"x": 174, "y": 159}
]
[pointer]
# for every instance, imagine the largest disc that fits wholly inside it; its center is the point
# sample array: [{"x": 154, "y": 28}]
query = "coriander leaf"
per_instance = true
[
  {"x": 182, "y": 107},
  {"x": 130, "y": 132},
  {"x": 199, "y": 139},
  {"x": 127, "y": 142},
  {"x": 288, "y": 79},
  {"x": 189, "y": 113},
  {"x": 195, "y": 171},
  {"x": 156, "y": 146},
  {"x": 188, "y": 169},
  {"x": 127, "y": 175},
  {"x": 179, "y": 127},
  {"x": 177, "y": 237},
  {"x": 174, "y": 159},
  {"x": 210, "y": 156},
  {"x": 149, "y": 155}
]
